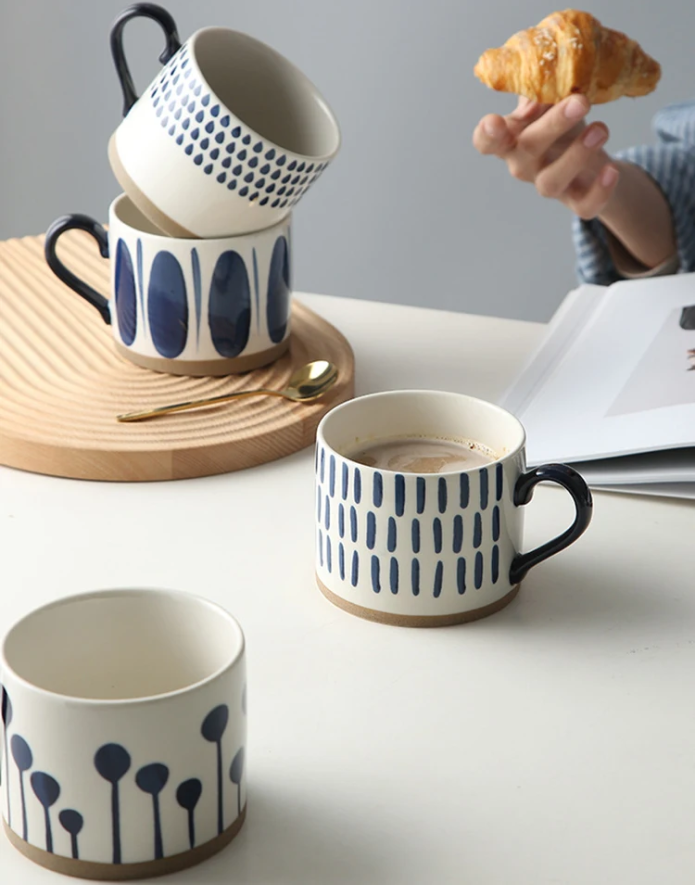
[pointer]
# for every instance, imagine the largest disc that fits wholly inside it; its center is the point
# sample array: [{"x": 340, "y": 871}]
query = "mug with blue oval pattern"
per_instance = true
[
  {"x": 414, "y": 547},
  {"x": 183, "y": 306},
  {"x": 123, "y": 733}
]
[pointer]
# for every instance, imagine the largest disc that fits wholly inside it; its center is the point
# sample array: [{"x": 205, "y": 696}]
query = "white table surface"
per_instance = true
[{"x": 551, "y": 743}]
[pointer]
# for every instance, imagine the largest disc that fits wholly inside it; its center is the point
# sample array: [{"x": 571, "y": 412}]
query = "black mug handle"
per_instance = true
[
  {"x": 84, "y": 290},
  {"x": 173, "y": 44},
  {"x": 523, "y": 492}
]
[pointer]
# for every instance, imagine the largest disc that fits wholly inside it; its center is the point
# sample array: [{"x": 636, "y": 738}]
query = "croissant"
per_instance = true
[{"x": 569, "y": 52}]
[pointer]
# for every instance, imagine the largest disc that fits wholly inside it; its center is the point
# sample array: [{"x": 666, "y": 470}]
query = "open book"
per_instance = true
[{"x": 611, "y": 388}]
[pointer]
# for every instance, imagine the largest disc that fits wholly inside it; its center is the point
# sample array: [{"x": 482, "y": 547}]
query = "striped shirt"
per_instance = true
[{"x": 671, "y": 163}]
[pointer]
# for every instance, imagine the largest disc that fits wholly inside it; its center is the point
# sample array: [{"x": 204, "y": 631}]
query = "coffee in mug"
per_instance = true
[{"x": 422, "y": 454}]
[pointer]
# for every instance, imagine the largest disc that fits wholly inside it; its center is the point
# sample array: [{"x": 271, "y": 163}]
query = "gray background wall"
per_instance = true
[{"x": 409, "y": 212}]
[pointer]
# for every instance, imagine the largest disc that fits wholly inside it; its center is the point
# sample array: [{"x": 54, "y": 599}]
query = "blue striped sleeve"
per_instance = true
[{"x": 671, "y": 163}]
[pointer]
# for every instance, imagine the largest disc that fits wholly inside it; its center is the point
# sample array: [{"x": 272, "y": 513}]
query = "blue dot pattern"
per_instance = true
[
  {"x": 184, "y": 108},
  {"x": 459, "y": 515}
]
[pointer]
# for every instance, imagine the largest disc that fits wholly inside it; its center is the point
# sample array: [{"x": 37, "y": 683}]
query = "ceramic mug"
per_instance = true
[
  {"x": 187, "y": 307},
  {"x": 227, "y": 138},
  {"x": 428, "y": 549},
  {"x": 124, "y": 733}
]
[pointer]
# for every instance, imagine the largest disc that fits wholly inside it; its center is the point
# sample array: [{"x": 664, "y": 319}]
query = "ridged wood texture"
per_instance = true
[{"x": 62, "y": 385}]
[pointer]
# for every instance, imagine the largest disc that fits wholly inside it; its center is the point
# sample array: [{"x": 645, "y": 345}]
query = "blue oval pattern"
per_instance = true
[
  {"x": 229, "y": 307},
  {"x": 167, "y": 306},
  {"x": 125, "y": 296},
  {"x": 279, "y": 291}
]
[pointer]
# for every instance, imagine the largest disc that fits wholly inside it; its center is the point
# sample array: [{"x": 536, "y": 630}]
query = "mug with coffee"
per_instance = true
[
  {"x": 227, "y": 138},
  {"x": 187, "y": 307},
  {"x": 124, "y": 720},
  {"x": 419, "y": 507}
]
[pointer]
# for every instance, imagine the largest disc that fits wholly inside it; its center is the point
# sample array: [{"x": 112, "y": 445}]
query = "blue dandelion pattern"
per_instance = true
[
  {"x": 187, "y": 113},
  {"x": 405, "y": 521}
]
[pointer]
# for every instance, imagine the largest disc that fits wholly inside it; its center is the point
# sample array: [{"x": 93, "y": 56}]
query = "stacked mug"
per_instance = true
[{"x": 212, "y": 159}]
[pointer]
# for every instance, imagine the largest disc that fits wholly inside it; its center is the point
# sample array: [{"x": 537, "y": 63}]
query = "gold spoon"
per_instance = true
[{"x": 307, "y": 383}]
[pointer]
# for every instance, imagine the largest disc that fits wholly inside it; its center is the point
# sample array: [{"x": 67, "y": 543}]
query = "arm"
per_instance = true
[
  {"x": 639, "y": 217},
  {"x": 648, "y": 225}
]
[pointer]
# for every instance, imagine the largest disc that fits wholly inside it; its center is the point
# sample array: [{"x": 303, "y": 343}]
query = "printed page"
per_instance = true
[
  {"x": 567, "y": 324},
  {"x": 626, "y": 384}
]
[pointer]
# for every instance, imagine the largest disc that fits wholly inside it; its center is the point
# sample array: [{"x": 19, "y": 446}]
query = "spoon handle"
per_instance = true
[{"x": 197, "y": 404}]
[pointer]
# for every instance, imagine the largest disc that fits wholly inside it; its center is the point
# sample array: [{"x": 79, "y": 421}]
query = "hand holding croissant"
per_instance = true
[{"x": 569, "y": 53}]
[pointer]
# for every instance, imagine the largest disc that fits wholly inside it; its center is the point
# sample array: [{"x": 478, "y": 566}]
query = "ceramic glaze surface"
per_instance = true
[
  {"x": 419, "y": 546},
  {"x": 195, "y": 166},
  {"x": 202, "y": 302},
  {"x": 223, "y": 148},
  {"x": 230, "y": 319},
  {"x": 205, "y": 299},
  {"x": 131, "y": 779}
]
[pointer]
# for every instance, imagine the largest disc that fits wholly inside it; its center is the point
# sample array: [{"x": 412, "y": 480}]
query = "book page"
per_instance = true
[{"x": 625, "y": 383}]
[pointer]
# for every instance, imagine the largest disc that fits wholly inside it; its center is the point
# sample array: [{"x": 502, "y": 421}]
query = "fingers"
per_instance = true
[
  {"x": 539, "y": 136},
  {"x": 556, "y": 177},
  {"x": 525, "y": 113},
  {"x": 524, "y": 109},
  {"x": 497, "y": 135},
  {"x": 492, "y": 136},
  {"x": 589, "y": 203}
]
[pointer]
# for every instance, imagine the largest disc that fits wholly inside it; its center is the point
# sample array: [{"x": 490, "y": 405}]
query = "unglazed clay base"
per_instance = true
[
  {"x": 145, "y": 205},
  {"x": 206, "y": 368},
  {"x": 417, "y": 620},
  {"x": 84, "y": 869}
]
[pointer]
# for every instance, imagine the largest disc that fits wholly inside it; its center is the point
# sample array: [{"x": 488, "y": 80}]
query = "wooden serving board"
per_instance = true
[{"x": 62, "y": 385}]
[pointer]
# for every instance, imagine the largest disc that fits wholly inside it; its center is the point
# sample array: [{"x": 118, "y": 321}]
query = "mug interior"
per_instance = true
[
  {"x": 128, "y": 213},
  {"x": 266, "y": 92},
  {"x": 125, "y": 211},
  {"x": 123, "y": 644},
  {"x": 421, "y": 413}
]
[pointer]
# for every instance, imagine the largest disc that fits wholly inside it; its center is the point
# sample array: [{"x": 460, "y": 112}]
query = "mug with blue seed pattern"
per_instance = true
[
  {"x": 227, "y": 138},
  {"x": 428, "y": 549},
  {"x": 123, "y": 733},
  {"x": 187, "y": 307}
]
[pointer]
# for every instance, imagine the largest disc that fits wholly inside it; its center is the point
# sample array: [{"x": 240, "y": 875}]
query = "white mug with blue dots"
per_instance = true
[
  {"x": 425, "y": 549},
  {"x": 227, "y": 138},
  {"x": 187, "y": 307}
]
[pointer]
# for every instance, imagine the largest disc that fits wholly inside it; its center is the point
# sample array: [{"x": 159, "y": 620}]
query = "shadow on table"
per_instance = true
[
  {"x": 562, "y": 594},
  {"x": 291, "y": 842}
]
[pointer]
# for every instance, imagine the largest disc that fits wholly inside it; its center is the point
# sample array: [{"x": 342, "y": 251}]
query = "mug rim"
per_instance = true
[
  {"x": 318, "y": 96},
  {"x": 26, "y": 684},
  {"x": 410, "y": 391},
  {"x": 161, "y": 237}
]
